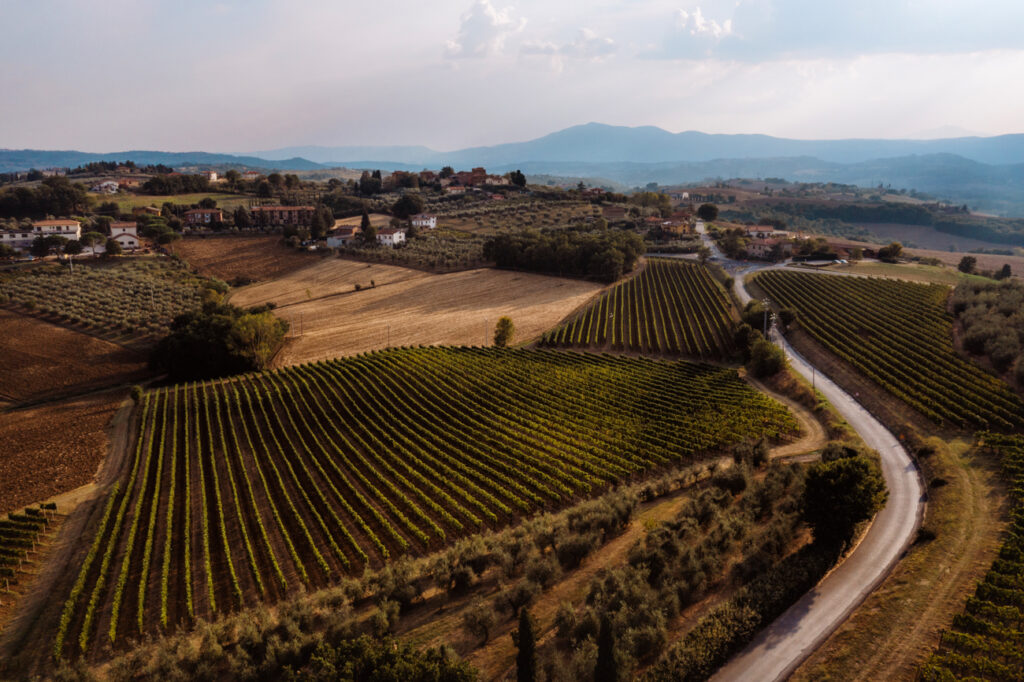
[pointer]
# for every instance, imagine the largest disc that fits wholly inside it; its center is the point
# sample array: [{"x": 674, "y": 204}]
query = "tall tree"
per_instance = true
[
  {"x": 526, "y": 643},
  {"x": 967, "y": 264},
  {"x": 243, "y": 218},
  {"x": 839, "y": 494},
  {"x": 503, "y": 332},
  {"x": 607, "y": 669},
  {"x": 707, "y": 212}
]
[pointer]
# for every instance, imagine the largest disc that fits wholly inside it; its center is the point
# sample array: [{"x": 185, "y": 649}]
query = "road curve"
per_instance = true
[{"x": 781, "y": 647}]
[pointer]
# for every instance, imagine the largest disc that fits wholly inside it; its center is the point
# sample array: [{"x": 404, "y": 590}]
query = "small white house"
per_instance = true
[
  {"x": 342, "y": 236},
  {"x": 125, "y": 234},
  {"x": 106, "y": 187},
  {"x": 391, "y": 236},
  {"x": 424, "y": 221}
]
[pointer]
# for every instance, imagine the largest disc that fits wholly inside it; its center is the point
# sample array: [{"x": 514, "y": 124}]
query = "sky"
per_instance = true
[{"x": 247, "y": 75}]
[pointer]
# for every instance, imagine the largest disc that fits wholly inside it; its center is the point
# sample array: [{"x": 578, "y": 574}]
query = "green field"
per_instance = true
[
  {"x": 127, "y": 202},
  {"x": 915, "y": 272}
]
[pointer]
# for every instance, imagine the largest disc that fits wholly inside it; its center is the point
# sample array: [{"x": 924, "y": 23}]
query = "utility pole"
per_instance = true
[{"x": 766, "y": 303}]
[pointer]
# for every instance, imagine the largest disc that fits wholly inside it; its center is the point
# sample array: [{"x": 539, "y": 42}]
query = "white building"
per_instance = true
[
  {"x": 424, "y": 220},
  {"x": 22, "y": 239},
  {"x": 106, "y": 187},
  {"x": 342, "y": 236},
  {"x": 126, "y": 234},
  {"x": 391, "y": 236}
]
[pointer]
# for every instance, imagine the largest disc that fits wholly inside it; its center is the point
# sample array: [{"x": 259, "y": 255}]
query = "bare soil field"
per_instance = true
[
  {"x": 53, "y": 448},
  {"x": 985, "y": 261},
  {"x": 926, "y": 237},
  {"x": 39, "y": 359},
  {"x": 408, "y": 307},
  {"x": 229, "y": 257}
]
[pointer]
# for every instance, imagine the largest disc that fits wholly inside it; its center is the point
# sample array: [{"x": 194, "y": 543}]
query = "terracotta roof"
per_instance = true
[
  {"x": 124, "y": 224},
  {"x": 203, "y": 210},
  {"x": 51, "y": 223},
  {"x": 390, "y": 231},
  {"x": 282, "y": 208}
]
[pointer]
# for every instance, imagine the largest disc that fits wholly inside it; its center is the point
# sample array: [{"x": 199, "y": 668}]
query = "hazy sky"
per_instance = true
[{"x": 258, "y": 74}]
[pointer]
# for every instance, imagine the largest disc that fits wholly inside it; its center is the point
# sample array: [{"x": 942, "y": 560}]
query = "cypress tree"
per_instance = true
[
  {"x": 606, "y": 669},
  {"x": 525, "y": 639}
]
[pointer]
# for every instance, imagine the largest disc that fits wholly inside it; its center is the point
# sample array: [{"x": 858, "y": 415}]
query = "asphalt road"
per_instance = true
[{"x": 781, "y": 647}]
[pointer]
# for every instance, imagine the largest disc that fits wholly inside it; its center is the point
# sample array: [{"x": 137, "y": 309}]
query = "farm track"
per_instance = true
[{"x": 781, "y": 647}]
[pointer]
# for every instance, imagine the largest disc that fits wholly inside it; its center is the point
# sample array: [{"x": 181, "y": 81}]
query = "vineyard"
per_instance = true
[
  {"x": 19, "y": 535},
  {"x": 246, "y": 489},
  {"x": 985, "y": 640},
  {"x": 135, "y": 297},
  {"x": 671, "y": 307},
  {"x": 516, "y": 213},
  {"x": 899, "y": 335}
]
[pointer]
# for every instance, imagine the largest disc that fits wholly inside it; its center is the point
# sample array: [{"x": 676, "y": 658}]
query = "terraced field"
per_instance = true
[
  {"x": 246, "y": 489},
  {"x": 899, "y": 335},
  {"x": 672, "y": 307}
]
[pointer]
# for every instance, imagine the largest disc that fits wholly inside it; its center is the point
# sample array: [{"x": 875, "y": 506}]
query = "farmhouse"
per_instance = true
[
  {"x": 125, "y": 234},
  {"x": 282, "y": 215},
  {"x": 769, "y": 248},
  {"x": 342, "y": 236},
  {"x": 145, "y": 210},
  {"x": 204, "y": 216},
  {"x": 105, "y": 187},
  {"x": 128, "y": 183},
  {"x": 21, "y": 239},
  {"x": 210, "y": 175},
  {"x": 424, "y": 220},
  {"x": 391, "y": 236}
]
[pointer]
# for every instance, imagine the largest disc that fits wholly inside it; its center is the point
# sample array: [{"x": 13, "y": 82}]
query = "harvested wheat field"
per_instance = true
[
  {"x": 376, "y": 219},
  {"x": 232, "y": 257},
  {"x": 54, "y": 448},
  {"x": 323, "y": 278},
  {"x": 408, "y": 307},
  {"x": 40, "y": 359}
]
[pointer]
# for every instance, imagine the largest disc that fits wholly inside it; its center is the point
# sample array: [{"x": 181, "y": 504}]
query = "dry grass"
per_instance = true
[
  {"x": 39, "y": 359},
  {"x": 229, "y": 257},
  {"x": 330, "y": 319},
  {"x": 376, "y": 219}
]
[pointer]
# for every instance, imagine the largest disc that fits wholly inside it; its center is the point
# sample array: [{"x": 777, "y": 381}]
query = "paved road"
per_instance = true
[{"x": 780, "y": 648}]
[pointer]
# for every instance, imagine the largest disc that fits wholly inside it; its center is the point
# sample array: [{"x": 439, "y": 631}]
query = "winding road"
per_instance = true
[{"x": 781, "y": 647}]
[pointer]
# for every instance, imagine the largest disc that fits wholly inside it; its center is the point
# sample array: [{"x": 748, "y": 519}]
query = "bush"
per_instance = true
[{"x": 766, "y": 359}]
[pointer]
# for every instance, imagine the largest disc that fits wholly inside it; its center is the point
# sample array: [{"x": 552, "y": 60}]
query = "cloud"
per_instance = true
[
  {"x": 482, "y": 31},
  {"x": 697, "y": 25},
  {"x": 587, "y": 45}
]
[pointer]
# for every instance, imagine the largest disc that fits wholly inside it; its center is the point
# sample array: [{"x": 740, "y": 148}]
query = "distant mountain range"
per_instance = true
[
  {"x": 985, "y": 172},
  {"x": 600, "y": 143}
]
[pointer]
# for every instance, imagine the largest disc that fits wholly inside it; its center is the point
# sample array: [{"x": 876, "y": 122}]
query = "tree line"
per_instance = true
[{"x": 601, "y": 255}]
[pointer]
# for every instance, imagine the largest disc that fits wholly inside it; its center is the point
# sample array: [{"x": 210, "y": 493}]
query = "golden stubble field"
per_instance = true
[{"x": 407, "y": 307}]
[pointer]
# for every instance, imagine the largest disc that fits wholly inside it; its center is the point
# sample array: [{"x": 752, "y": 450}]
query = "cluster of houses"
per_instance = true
[
  {"x": 344, "y": 235},
  {"x": 124, "y": 233}
]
